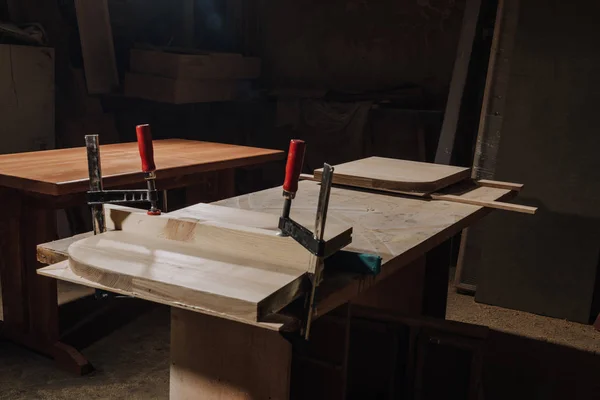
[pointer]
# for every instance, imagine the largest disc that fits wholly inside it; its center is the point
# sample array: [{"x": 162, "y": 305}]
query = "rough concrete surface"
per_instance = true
[{"x": 131, "y": 363}]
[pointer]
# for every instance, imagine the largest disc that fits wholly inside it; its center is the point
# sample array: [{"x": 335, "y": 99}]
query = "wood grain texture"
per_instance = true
[
  {"x": 202, "y": 224},
  {"x": 216, "y": 359},
  {"x": 181, "y": 272},
  {"x": 65, "y": 171},
  {"x": 396, "y": 175},
  {"x": 194, "y": 66},
  {"x": 97, "y": 46},
  {"x": 242, "y": 271},
  {"x": 399, "y": 229},
  {"x": 57, "y": 251}
]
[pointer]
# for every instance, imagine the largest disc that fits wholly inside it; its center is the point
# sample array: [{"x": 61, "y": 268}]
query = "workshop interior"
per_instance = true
[{"x": 299, "y": 200}]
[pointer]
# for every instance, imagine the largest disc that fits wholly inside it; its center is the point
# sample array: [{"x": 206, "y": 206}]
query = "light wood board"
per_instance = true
[
  {"x": 400, "y": 229},
  {"x": 396, "y": 175},
  {"x": 237, "y": 270}
]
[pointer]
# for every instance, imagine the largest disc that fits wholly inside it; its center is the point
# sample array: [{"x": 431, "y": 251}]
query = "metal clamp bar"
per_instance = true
[
  {"x": 303, "y": 236},
  {"x": 121, "y": 196}
]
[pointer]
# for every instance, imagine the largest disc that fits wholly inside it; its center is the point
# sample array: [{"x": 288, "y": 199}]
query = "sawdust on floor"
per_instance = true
[
  {"x": 463, "y": 308},
  {"x": 133, "y": 362}
]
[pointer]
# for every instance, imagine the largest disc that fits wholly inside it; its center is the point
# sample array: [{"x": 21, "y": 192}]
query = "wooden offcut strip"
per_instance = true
[
  {"x": 501, "y": 185},
  {"x": 97, "y": 46},
  {"x": 485, "y": 203}
]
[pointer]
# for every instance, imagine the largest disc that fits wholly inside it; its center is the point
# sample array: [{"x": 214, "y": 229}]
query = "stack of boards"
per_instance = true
[
  {"x": 180, "y": 78},
  {"x": 227, "y": 262}
]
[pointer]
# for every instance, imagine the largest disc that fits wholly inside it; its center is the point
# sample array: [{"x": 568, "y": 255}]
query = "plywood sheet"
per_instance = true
[{"x": 396, "y": 175}]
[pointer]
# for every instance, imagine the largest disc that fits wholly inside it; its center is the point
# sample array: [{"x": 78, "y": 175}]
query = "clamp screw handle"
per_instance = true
[
  {"x": 293, "y": 167},
  {"x": 144, "y": 138}
]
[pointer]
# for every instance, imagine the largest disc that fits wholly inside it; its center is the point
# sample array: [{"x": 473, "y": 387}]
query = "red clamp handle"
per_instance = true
[
  {"x": 293, "y": 167},
  {"x": 144, "y": 138}
]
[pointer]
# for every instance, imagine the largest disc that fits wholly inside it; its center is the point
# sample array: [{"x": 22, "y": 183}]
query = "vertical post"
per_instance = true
[{"x": 92, "y": 144}]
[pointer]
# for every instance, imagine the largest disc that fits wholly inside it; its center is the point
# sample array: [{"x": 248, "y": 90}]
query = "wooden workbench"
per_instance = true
[
  {"x": 33, "y": 185},
  {"x": 222, "y": 357}
]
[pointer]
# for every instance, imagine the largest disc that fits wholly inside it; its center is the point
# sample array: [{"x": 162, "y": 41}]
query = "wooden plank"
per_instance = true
[
  {"x": 208, "y": 66},
  {"x": 232, "y": 269},
  {"x": 64, "y": 171},
  {"x": 178, "y": 91},
  {"x": 206, "y": 222},
  {"x": 27, "y": 96},
  {"x": 457, "y": 85},
  {"x": 236, "y": 362},
  {"x": 97, "y": 46},
  {"x": 181, "y": 272},
  {"x": 485, "y": 203},
  {"x": 396, "y": 175},
  {"x": 63, "y": 272},
  {"x": 501, "y": 185},
  {"x": 57, "y": 251}
]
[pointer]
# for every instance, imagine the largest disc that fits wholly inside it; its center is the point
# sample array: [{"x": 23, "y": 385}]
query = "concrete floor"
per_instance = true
[{"x": 133, "y": 361}]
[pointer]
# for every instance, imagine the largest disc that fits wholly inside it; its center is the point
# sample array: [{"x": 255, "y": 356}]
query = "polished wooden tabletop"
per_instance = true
[{"x": 65, "y": 171}]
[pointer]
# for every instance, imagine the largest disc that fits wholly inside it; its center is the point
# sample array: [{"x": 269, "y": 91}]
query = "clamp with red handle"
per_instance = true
[
  {"x": 97, "y": 196},
  {"x": 312, "y": 241},
  {"x": 144, "y": 138}
]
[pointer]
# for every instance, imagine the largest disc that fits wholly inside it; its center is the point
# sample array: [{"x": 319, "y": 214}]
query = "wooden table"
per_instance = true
[
  {"x": 223, "y": 357},
  {"x": 34, "y": 185}
]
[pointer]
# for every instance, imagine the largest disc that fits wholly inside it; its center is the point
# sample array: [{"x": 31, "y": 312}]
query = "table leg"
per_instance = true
[
  {"x": 214, "y": 358},
  {"x": 14, "y": 315},
  {"x": 437, "y": 275},
  {"x": 30, "y": 301}
]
